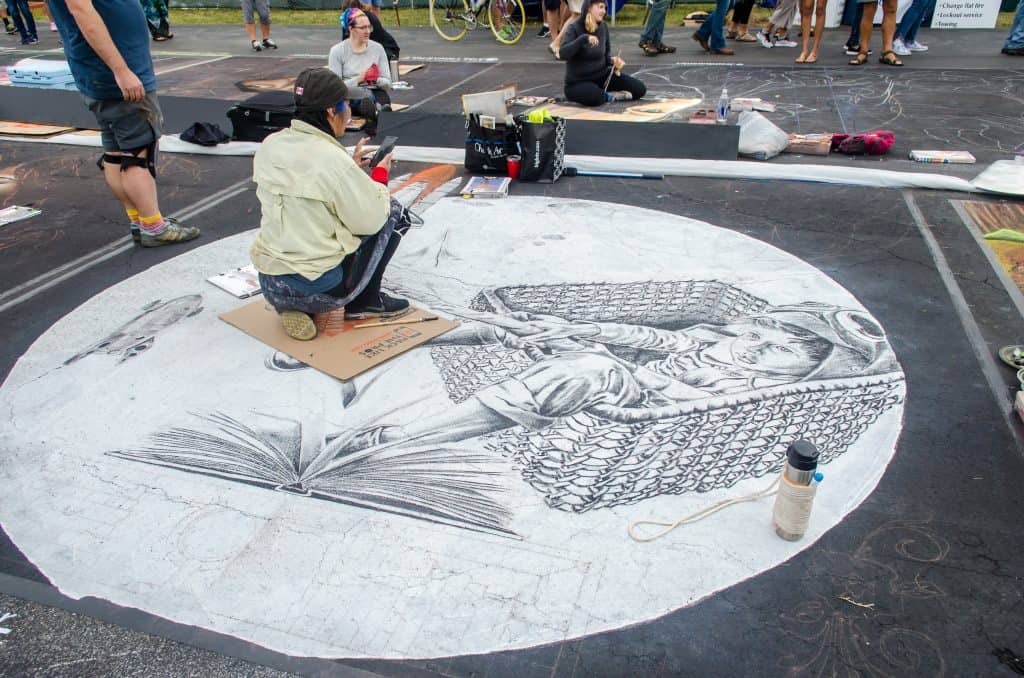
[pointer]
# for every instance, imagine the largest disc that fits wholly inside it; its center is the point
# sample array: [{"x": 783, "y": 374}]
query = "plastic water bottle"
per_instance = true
[{"x": 722, "y": 112}]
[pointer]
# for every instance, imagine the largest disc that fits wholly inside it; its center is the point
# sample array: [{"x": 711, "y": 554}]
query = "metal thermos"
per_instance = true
[{"x": 801, "y": 465}]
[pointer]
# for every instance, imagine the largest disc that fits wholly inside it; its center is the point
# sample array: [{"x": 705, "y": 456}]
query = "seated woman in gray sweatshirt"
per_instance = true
[
  {"x": 592, "y": 75},
  {"x": 363, "y": 65}
]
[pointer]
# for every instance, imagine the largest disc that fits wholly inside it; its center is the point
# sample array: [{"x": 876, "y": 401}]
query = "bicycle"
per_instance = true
[{"x": 452, "y": 19}]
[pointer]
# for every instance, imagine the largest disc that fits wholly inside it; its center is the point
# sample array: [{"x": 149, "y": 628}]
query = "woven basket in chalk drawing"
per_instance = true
[{"x": 608, "y": 456}]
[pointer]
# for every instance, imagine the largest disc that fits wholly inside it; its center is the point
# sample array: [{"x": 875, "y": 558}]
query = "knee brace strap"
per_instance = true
[
  {"x": 136, "y": 160},
  {"x": 108, "y": 158}
]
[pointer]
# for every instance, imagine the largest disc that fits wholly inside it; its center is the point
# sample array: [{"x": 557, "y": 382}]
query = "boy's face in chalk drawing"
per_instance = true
[{"x": 768, "y": 346}]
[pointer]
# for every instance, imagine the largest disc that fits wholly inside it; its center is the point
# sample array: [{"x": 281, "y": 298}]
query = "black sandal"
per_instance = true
[
  {"x": 859, "y": 60},
  {"x": 889, "y": 58},
  {"x": 649, "y": 48}
]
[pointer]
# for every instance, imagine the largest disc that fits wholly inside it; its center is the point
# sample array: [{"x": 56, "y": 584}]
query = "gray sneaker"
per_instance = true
[
  {"x": 764, "y": 40},
  {"x": 174, "y": 232}
]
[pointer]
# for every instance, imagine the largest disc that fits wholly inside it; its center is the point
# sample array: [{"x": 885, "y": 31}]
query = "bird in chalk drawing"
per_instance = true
[{"x": 138, "y": 334}]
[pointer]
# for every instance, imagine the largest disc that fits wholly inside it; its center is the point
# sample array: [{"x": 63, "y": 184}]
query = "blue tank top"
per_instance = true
[{"x": 126, "y": 23}]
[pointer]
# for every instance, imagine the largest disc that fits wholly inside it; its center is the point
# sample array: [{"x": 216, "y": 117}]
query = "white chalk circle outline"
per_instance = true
[{"x": 314, "y": 578}]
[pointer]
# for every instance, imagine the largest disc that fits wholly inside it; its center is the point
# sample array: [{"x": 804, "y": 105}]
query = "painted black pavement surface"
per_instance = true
[{"x": 923, "y": 579}]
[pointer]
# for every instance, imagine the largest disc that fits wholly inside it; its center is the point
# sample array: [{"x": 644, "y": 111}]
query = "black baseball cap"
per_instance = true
[{"x": 318, "y": 89}]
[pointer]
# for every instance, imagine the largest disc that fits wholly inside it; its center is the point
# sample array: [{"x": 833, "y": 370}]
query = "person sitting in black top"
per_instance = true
[
  {"x": 592, "y": 75},
  {"x": 378, "y": 34}
]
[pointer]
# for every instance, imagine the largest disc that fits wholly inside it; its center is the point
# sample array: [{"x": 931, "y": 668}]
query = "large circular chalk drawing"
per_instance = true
[{"x": 150, "y": 444}]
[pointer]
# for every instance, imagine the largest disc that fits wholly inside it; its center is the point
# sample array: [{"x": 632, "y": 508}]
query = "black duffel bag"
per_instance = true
[
  {"x": 259, "y": 116},
  {"x": 543, "y": 149},
  {"x": 487, "y": 149}
]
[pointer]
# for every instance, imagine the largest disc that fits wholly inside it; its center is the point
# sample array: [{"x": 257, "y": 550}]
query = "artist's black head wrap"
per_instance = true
[{"x": 316, "y": 90}]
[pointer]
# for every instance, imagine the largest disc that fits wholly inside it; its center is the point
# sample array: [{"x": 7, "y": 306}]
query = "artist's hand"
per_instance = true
[
  {"x": 361, "y": 154},
  {"x": 617, "y": 64},
  {"x": 130, "y": 85},
  {"x": 592, "y": 39},
  {"x": 386, "y": 162}
]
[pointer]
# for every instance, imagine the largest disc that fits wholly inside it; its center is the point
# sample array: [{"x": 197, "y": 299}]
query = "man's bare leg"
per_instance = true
[{"x": 136, "y": 184}]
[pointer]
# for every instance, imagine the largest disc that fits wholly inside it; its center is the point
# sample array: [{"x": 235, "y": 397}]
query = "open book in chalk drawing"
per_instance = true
[{"x": 441, "y": 485}]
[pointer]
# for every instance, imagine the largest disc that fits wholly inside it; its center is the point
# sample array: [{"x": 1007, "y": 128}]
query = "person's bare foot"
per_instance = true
[
  {"x": 811, "y": 58},
  {"x": 802, "y": 59}
]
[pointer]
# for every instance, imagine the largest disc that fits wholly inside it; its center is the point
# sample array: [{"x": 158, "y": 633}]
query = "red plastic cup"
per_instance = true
[{"x": 513, "y": 167}]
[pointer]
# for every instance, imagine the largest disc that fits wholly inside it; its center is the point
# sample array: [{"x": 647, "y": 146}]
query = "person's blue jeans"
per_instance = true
[
  {"x": 853, "y": 42},
  {"x": 22, "y": 16},
  {"x": 713, "y": 28},
  {"x": 655, "y": 26},
  {"x": 912, "y": 18},
  {"x": 1015, "y": 40}
]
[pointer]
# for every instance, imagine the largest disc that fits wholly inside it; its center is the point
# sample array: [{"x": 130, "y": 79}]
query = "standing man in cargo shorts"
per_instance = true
[{"x": 107, "y": 47}]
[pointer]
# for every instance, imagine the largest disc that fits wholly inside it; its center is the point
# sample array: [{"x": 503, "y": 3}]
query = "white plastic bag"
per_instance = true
[
  {"x": 1002, "y": 176},
  {"x": 759, "y": 137}
]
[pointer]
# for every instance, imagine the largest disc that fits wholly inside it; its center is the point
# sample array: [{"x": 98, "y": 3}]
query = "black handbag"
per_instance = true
[
  {"x": 259, "y": 116},
  {"x": 543, "y": 156},
  {"x": 487, "y": 149}
]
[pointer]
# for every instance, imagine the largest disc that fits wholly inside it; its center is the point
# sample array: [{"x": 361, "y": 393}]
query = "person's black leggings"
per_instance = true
[
  {"x": 590, "y": 93},
  {"x": 741, "y": 12}
]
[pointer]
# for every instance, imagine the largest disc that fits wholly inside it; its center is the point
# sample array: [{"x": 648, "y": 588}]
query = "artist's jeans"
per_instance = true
[
  {"x": 654, "y": 29},
  {"x": 713, "y": 27},
  {"x": 356, "y": 281},
  {"x": 22, "y": 17},
  {"x": 853, "y": 42},
  {"x": 1015, "y": 40},
  {"x": 915, "y": 14}
]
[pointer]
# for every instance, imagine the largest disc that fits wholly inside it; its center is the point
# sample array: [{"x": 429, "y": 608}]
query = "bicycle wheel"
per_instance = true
[
  {"x": 508, "y": 20},
  {"x": 448, "y": 17}
]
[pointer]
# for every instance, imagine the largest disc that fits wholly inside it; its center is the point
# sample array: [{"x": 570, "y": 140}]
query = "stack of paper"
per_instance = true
[
  {"x": 242, "y": 282},
  {"x": 486, "y": 187},
  {"x": 943, "y": 157}
]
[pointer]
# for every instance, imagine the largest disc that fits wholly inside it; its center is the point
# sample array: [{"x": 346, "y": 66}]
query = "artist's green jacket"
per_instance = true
[{"x": 314, "y": 200}]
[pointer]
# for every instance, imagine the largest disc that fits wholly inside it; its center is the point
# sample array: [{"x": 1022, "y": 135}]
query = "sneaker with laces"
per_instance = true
[
  {"x": 783, "y": 41},
  {"x": 899, "y": 47},
  {"x": 173, "y": 233},
  {"x": 136, "y": 233},
  {"x": 619, "y": 96},
  {"x": 269, "y": 44},
  {"x": 763, "y": 40},
  {"x": 256, "y": 47},
  {"x": 915, "y": 46},
  {"x": 544, "y": 32},
  {"x": 385, "y": 307},
  {"x": 298, "y": 325}
]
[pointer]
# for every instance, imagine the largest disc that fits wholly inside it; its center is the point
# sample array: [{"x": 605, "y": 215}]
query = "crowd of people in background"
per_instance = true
[{"x": 899, "y": 39}]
